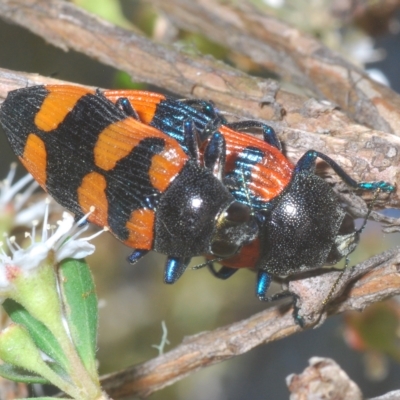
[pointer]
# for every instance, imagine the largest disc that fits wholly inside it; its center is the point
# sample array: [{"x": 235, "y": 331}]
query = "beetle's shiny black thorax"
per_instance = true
[
  {"x": 192, "y": 206},
  {"x": 303, "y": 229}
]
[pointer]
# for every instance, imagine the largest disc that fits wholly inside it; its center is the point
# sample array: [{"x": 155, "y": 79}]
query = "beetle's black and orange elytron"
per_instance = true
[
  {"x": 84, "y": 151},
  {"x": 302, "y": 223}
]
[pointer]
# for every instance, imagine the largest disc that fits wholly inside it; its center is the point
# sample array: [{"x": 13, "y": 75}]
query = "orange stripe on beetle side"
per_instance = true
[
  {"x": 60, "y": 100},
  {"x": 162, "y": 171},
  {"x": 140, "y": 227},
  {"x": 92, "y": 193},
  {"x": 34, "y": 158},
  {"x": 167, "y": 165},
  {"x": 116, "y": 142},
  {"x": 144, "y": 103}
]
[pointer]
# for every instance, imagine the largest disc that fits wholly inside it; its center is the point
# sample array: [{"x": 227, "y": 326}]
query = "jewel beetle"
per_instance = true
[
  {"x": 86, "y": 152},
  {"x": 303, "y": 225}
]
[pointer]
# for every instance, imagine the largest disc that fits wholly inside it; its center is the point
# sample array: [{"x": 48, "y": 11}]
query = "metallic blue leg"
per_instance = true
[
  {"x": 307, "y": 164},
  {"x": 210, "y": 110},
  {"x": 263, "y": 282},
  {"x": 269, "y": 134},
  {"x": 174, "y": 268},
  {"x": 136, "y": 256},
  {"x": 223, "y": 272},
  {"x": 215, "y": 120}
]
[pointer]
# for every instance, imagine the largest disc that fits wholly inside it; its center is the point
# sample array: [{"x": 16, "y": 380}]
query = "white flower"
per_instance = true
[
  {"x": 8, "y": 191},
  {"x": 12, "y": 200},
  {"x": 55, "y": 245}
]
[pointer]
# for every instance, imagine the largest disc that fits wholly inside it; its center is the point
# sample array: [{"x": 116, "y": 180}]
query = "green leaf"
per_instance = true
[
  {"x": 18, "y": 374},
  {"x": 78, "y": 291},
  {"x": 42, "y": 337}
]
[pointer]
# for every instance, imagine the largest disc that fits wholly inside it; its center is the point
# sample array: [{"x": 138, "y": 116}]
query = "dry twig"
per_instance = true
[
  {"x": 291, "y": 54},
  {"x": 275, "y": 323}
]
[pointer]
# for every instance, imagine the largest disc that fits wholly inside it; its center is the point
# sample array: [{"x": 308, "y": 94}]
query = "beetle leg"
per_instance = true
[
  {"x": 269, "y": 133},
  {"x": 174, "y": 268},
  {"x": 263, "y": 283},
  {"x": 307, "y": 163},
  {"x": 223, "y": 272},
  {"x": 297, "y": 318},
  {"x": 215, "y": 155},
  {"x": 191, "y": 139},
  {"x": 264, "y": 280},
  {"x": 136, "y": 256},
  {"x": 207, "y": 108},
  {"x": 125, "y": 105}
]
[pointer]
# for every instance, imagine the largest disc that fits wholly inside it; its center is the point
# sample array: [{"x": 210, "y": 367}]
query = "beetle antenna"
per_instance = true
[
  {"x": 376, "y": 194},
  {"x": 207, "y": 263},
  {"x": 334, "y": 286}
]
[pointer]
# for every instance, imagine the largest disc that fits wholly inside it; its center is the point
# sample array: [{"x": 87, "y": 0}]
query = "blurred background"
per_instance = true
[{"x": 134, "y": 301}]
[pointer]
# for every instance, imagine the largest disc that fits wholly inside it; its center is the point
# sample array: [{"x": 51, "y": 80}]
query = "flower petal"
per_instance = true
[{"x": 74, "y": 249}]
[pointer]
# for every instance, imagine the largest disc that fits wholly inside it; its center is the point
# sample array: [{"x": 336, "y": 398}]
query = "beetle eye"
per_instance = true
[
  {"x": 237, "y": 213},
  {"x": 223, "y": 249}
]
